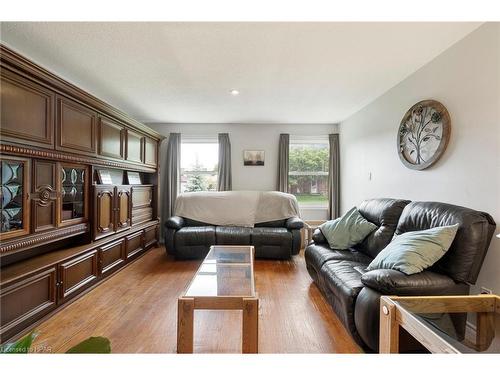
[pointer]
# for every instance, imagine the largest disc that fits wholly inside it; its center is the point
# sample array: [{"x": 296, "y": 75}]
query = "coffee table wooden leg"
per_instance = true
[
  {"x": 185, "y": 317},
  {"x": 250, "y": 332},
  {"x": 389, "y": 327}
]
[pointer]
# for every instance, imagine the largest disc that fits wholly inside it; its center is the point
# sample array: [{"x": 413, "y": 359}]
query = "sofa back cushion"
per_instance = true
[
  {"x": 463, "y": 260},
  {"x": 271, "y": 224},
  {"x": 267, "y": 224},
  {"x": 384, "y": 213}
]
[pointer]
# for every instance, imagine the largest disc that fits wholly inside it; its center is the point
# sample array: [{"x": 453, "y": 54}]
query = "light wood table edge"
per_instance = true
[{"x": 393, "y": 316}]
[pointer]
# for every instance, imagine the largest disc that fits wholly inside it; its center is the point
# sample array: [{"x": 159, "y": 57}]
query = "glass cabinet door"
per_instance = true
[
  {"x": 14, "y": 211},
  {"x": 73, "y": 198}
]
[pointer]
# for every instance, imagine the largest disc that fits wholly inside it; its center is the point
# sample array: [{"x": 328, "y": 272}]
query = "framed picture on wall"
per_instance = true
[{"x": 253, "y": 157}]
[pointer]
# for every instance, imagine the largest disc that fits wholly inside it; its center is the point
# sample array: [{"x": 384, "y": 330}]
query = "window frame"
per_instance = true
[
  {"x": 197, "y": 139},
  {"x": 309, "y": 139}
]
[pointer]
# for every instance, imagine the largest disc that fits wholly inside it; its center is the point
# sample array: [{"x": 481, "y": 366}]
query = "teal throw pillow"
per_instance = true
[
  {"x": 413, "y": 252},
  {"x": 347, "y": 231}
]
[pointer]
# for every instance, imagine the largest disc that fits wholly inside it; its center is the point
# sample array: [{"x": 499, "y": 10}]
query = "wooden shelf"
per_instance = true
[{"x": 20, "y": 269}]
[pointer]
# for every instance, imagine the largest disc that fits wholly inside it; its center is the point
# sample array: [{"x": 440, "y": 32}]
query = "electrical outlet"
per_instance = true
[{"x": 486, "y": 290}]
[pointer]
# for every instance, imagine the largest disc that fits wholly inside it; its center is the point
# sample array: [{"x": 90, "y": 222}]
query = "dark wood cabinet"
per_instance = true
[
  {"x": 150, "y": 152},
  {"x": 112, "y": 212},
  {"x": 112, "y": 256},
  {"x": 135, "y": 147},
  {"x": 134, "y": 244},
  {"x": 44, "y": 196},
  {"x": 111, "y": 138},
  {"x": 24, "y": 301},
  {"x": 58, "y": 238},
  {"x": 150, "y": 236},
  {"x": 14, "y": 188},
  {"x": 104, "y": 198},
  {"x": 142, "y": 204},
  {"x": 73, "y": 185},
  {"x": 77, "y": 274},
  {"x": 75, "y": 127},
  {"x": 123, "y": 208},
  {"x": 27, "y": 111}
]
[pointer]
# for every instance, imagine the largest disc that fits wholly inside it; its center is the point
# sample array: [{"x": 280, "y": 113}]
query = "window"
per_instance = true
[
  {"x": 308, "y": 171},
  {"x": 199, "y": 160}
]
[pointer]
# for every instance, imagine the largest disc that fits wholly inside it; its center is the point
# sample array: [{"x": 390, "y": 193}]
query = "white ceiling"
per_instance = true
[{"x": 285, "y": 72}]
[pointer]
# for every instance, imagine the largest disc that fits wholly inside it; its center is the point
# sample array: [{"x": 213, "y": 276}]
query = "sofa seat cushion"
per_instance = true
[
  {"x": 272, "y": 242},
  {"x": 233, "y": 235},
  {"x": 341, "y": 280},
  {"x": 316, "y": 255},
  {"x": 194, "y": 242}
]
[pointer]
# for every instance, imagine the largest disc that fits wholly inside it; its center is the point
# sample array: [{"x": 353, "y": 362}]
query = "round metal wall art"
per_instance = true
[{"x": 423, "y": 134}]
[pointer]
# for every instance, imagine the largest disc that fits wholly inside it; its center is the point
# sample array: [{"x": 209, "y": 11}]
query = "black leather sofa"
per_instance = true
[
  {"x": 190, "y": 239},
  {"x": 354, "y": 293}
]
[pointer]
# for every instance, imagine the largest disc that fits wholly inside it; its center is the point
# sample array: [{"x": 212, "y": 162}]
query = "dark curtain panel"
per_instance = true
[
  {"x": 283, "y": 162},
  {"x": 334, "y": 178},
  {"x": 224, "y": 181},
  {"x": 170, "y": 177}
]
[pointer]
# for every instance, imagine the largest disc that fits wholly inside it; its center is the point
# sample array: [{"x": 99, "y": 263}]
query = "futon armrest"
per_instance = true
[
  {"x": 393, "y": 282},
  {"x": 294, "y": 223},
  {"x": 318, "y": 237},
  {"x": 174, "y": 222}
]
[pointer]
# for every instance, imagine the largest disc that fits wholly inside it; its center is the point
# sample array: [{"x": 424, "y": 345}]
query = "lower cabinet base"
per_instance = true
[{"x": 29, "y": 297}]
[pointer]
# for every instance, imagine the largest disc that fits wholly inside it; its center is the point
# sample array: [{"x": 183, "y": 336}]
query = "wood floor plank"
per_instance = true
[{"x": 137, "y": 310}]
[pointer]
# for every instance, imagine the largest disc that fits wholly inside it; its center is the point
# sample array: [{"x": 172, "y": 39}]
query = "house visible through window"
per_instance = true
[
  {"x": 308, "y": 171},
  {"x": 199, "y": 160}
]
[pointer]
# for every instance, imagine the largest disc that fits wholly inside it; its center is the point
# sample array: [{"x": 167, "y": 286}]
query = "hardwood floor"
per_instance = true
[{"x": 137, "y": 311}]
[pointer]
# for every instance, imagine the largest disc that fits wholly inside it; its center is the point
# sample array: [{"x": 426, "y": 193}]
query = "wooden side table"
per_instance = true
[{"x": 417, "y": 315}]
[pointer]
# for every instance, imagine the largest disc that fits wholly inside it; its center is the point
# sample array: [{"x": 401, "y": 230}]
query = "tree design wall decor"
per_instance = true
[{"x": 423, "y": 134}]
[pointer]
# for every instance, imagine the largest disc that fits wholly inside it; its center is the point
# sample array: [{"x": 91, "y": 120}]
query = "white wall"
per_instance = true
[
  {"x": 253, "y": 137},
  {"x": 466, "y": 79}
]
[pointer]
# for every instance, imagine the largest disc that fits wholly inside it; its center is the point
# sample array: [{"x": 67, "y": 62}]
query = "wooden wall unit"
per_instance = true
[
  {"x": 112, "y": 212},
  {"x": 150, "y": 151},
  {"x": 26, "y": 300},
  {"x": 111, "y": 138},
  {"x": 112, "y": 256},
  {"x": 75, "y": 127},
  {"x": 27, "y": 111},
  {"x": 135, "y": 147},
  {"x": 52, "y": 136}
]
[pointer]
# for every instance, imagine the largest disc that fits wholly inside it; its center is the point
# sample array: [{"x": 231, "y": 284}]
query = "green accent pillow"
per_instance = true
[
  {"x": 347, "y": 231},
  {"x": 413, "y": 252}
]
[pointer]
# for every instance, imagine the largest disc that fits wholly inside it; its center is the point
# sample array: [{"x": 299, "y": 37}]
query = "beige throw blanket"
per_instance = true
[{"x": 236, "y": 208}]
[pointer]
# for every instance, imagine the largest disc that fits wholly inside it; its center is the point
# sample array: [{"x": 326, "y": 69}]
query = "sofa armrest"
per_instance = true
[
  {"x": 318, "y": 237},
  {"x": 294, "y": 223},
  {"x": 174, "y": 222},
  {"x": 393, "y": 282}
]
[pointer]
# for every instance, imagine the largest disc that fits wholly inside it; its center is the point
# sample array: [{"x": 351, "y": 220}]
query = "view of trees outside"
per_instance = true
[
  {"x": 199, "y": 166},
  {"x": 308, "y": 173}
]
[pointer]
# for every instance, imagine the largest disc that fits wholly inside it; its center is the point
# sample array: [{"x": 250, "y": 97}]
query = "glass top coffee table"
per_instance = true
[
  {"x": 437, "y": 322},
  {"x": 224, "y": 281}
]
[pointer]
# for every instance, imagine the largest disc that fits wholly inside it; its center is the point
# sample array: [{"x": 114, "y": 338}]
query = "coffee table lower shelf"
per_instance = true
[{"x": 185, "y": 319}]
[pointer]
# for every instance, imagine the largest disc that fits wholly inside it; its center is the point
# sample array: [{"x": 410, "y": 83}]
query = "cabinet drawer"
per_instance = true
[
  {"x": 77, "y": 274},
  {"x": 142, "y": 196},
  {"x": 150, "y": 236},
  {"x": 141, "y": 215},
  {"x": 133, "y": 244},
  {"x": 112, "y": 256},
  {"x": 23, "y": 302}
]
